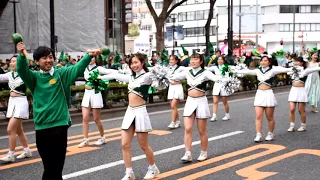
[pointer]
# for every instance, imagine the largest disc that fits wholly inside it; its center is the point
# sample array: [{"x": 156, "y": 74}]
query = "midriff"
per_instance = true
[
  {"x": 88, "y": 87},
  {"x": 175, "y": 82},
  {"x": 297, "y": 84},
  {"x": 195, "y": 93},
  {"x": 264, "y": 87},
  {"x": 14, "y": 94},
  {"x": 135, "y": 100}
]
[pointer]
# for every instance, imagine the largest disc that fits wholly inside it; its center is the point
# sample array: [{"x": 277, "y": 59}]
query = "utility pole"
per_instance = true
[
  {"x": 52, "y": 33},
  {"x": 257, "y": 29},
  {"x": 230, "y": 28},
  {"x": 14, "y": 2},
  {"x": 294, "y": 28},
  {"x": 240, "y": 54},
  {"x": 217, "y": 31}
]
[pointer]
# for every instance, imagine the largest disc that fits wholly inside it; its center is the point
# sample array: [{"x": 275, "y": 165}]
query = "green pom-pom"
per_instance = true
[
  {"x": 16, "y": 38},
  {"x": 96, "y": 83},
  {"x": 105, "y": 51}
]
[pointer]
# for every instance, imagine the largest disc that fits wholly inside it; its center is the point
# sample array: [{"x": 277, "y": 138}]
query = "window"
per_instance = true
[
  {"x": 286, "y": 9},
  {"x": 305, "y": 9},
  {"x": 198, "y": 31},
  {"x": 299, "y": 27},
  {"x": 200, "y": 15},
  {"x": 135, "y": 4},
  {"x": 158, "y": 5},
  {"x": 146, "y": 27},
  {"x": 182, "y": 16},
  {"x": 191, "y": 15}
]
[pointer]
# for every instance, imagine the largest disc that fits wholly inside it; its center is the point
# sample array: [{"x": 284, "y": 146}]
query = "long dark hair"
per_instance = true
[
  {"x": 142, "y": 58},
  {"x": 304, "y": 63},
  {"x": 201, "y": 57},
  {"x": 224, "y": 59},
  {"x": 176, "y": 58}
]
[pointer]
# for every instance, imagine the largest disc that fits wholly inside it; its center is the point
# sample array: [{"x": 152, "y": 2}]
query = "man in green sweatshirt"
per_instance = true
[{"x": 50, "y": 89}]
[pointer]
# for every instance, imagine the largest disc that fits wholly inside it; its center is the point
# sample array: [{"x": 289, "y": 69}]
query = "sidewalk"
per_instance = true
[{"x": 157, "y": 106}]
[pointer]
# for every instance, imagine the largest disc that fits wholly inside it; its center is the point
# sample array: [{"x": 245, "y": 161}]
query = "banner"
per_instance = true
[
  {"x": 177, "y": 30},
  {"x": 169, "y": 33},
  {"x": 128, "y": 11}
]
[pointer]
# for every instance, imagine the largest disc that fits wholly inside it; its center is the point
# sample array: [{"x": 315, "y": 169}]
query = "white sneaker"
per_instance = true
[
  {"x": 203, "y": 156},
  {"x": 258, "y": 138},
  {"x": 84, "y": 143},
  {"x": 302, "y": 128},
  {"x": 291, "y": 129},
  {"x": 226, "y": 117},
  {"x": 172, "y": 125},
  {"x": 7, "y": 158},
  {"x": 152, "y": 172},
  {"x": 186, "y": 158},
  {"x": 25, "y": 154},
  {"x": 101, "y": 141},
  {"x": 270, "y": 136},
  {"x": 177, "y": 125},
  {"x": 214, "y": 117},
  {"x": 129, "y": 176}
]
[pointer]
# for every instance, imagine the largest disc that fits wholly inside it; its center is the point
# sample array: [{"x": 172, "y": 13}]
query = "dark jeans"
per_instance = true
[{"x": 52, "y": 147}]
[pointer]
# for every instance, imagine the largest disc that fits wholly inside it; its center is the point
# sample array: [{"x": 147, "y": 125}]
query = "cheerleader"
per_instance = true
[
  {"x": 136, "y": 119},
  {"x": 218, "y": 90},
  {"x": 313, "y": 83},
  {"x": 298, "y": 94},
  {"x": 18, "y": 110},
  {"x": 197, "y": 104},
  {"x": 175, "y": 92},
  {"x": 265, "y": 100},
  {"x": 92, "y": 100}
]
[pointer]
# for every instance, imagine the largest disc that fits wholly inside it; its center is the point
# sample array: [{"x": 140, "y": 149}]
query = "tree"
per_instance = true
[
  {"x": 133, "y": 30},
  {"x": 207, "y": 26},
  {"x": 159, "y": 20}
]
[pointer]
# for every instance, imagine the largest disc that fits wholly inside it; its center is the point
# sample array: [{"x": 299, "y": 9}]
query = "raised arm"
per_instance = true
[
  {"x": 211, "y": 77},
  {"x": 27, "y": 76},
  {"x": 246, "y": 72},
  {"x": 211, "y": 68},
  {"x": 179, "y": 76},
  {"x": 279, "y": 69},
  {"x": 5, "y": 77},
  {"x": 116, "y": 76},
  {"x": 105, "y": 71},
  {"x": 308, "y": 71}
]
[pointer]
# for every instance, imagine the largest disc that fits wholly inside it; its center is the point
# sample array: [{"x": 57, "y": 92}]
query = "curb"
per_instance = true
[{"x": 158, "y": 106}]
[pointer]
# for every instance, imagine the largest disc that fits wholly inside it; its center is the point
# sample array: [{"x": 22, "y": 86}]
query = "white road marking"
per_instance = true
[
  {"x": 136, "y": 158},
  {"x": 151, "y": 113}
]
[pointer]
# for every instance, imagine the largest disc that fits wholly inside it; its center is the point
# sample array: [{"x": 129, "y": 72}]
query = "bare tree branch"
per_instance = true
[
  {"x": 173, "y": 7},
  {"x": 151, "y": 9}
]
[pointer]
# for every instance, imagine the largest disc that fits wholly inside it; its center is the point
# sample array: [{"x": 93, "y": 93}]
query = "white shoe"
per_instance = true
[
  {"x": 291, "y": 129},
  {"x": 101, "y": 141},
  {"x": 203, "y": 156},
  {"x": 258, "y": 138},
  {"x": 84, "y": 143},
  {"x": 172, "y": 125},
  {"x": 177, "y": 125},
  {"x": 270, "y": 136},
  {"x": 7, "y": 158},
  {"x": 226, "y": 117},
  {"x": 302, "y": 128},
  {"x": 186, "y": 158},
  {"x": 152, "y": 172},
  {"x": 129, "y": 176},
  {"x": 25, "y": 154},
  {"x": 214, "y": 117}
]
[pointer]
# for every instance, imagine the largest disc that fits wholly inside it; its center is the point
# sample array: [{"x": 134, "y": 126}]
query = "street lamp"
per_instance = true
[
  {"x": 14, "y": 19},
  {"x": 173, "y": 17}
]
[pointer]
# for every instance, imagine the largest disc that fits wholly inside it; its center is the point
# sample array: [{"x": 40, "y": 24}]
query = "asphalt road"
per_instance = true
[{"x": 232, "y": 153}]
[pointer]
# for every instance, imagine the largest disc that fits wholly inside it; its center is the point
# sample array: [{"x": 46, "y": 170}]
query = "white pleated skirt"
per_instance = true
[
  {"x": 218, "y": 90},
  {"x": 175, "y": 91},
  {"x": 298, "y": 94},
  {"x": 198, "y": 105},
  {"x": 137, "y": 116},
  {"x": 18, "y": 107},
  {"x": 265, "y": 98},
  {"x": 92, "y": 99}
]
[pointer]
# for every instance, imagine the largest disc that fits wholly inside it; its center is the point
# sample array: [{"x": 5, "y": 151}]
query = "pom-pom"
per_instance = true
[
  {"x": 160, "y": 78},
  {"x": 231, "y": 84},
  {"x": 96, "y": 83},
  {"x": 296, "y": 72}
]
